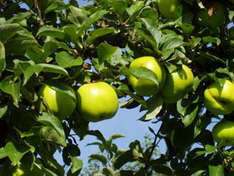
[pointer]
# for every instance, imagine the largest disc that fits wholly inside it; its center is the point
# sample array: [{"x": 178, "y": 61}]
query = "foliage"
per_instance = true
[{"x": 48, "y": 40}]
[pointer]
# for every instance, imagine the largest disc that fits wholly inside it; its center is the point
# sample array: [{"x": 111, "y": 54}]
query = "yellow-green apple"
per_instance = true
[
  {"x": 169, "y": 8},
  {"x": 177, "y": 84},
  {"x": 59, "y": 99},
  {"x": 213, "y": 16},
  {"x": 97, "y": 101},
  {"x": 223, "y": 132},
  {"x": 146, "y": 87},
  {"x": 219, "y": 99}
]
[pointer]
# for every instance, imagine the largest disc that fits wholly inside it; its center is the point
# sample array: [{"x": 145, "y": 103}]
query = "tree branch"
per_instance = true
[{"x": 38, "y": 12}]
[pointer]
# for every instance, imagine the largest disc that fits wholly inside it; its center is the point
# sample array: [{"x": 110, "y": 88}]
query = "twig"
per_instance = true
[{"x": 38, "y": 12}]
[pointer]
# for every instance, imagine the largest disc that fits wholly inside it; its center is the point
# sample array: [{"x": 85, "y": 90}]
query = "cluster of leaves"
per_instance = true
[{"x": 52, "y": 40}]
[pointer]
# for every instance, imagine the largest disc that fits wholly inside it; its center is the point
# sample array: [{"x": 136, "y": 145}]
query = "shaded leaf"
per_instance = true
[
  {"x": 66, "y": 60},
  {"x": 77, "y": 164},
  {"x": 7, "y": 31}
]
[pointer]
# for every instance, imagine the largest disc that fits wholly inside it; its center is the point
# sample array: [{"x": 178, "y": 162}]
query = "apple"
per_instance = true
[
  {"x": 213, "y": 16},
  {"x": 177, "y": 84},
  {"x": 219, "y": 99},
  {"x": 223, "y": 132},
  {"x": 146, "y": 87},
  {"x": 59, "y": 98},
  {"x": 169, "y": 8},
  {"x": 97, "y": 101},
  {"x": 18, "y": 172}
]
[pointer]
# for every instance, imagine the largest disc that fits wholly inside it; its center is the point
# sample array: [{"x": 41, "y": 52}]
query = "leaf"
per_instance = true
[
  {"x": 216, "y": 170},
  {"x": 152, "y": 28},
  {"x": 115, "y": 136},
  {"x": 7, "y": 31},
  {"x": 109, "y": 54},
  {"x": 11, "y": 86},
  {"x": 94, "y": 35},
  {"x": 134, "y": 8},
  {"x": 144, "y": 73},
  {"x": 108, "y": 171},
  {"x": 191, "y": 113},
  {"x": 2, "y": 57},
  {"x": 119, "y": 6},
  {"x": 92, "y": 19},
  {"x": 210, "y": 39},
  {"x": 78, "y": 16},
  {"x": 51, "y": 31},
  {"x": 53, "y": 69},
  {"x": 171, "y": 41},
  {"x": 15, "y": 151},
  {"x": 65, "y": 60},
  {"x": 98, "y": 157},
  {"x": 123, "y": 159},
  {"x": 154, "y": 105},
  {"x": 99, "y": 136},
  {"x": 53, "y": 122},
  {"x": 77, "y": 165},
  {"x": 3, "y": 110}
]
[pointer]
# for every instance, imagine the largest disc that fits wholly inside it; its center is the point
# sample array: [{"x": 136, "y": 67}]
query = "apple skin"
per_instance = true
[
  {"x": 223, "y": 132},
  {"x": 219, "y": 100},
  {"x": 168, "y": 8},
  {"x": 145, "y": 87},
  {"x": 215, "y": 20},
  {"x": 97, "y": 101},
  {"x": 58, "y": 102},
  {"x": 177, "y": 84}
]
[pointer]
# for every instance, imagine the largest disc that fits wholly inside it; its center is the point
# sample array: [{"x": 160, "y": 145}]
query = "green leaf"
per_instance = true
[
  {"x": 119, "y": 6},
  {"x": 3, "y": 110},
  {"x": 53, "y": 69},
  {"x": 92, "y": 19},
  {"x": 98, "y": 157},
  {"x": 77, "y": 164},
  {"x": 2, "y": 57},
  {"x": 216, "y": 170},
  {"x": 54, "y": 123},
  {"x": 3, "y": 153},
  {"x": 151, "y": 26},
  {"x": 115, "y": 136},
  {"x": 51, "y": 31},
  {"x": 109, "y": 54},
  {"x": 210, "y": 39},
  {"x": 134, "y": 8},
  {"x": 7, "y": 31},
  {"x": 94, "y": 35},
  {"x": 154, "y": 105},
  {"x": 144, "y": 73},
  {"x": 123, "y": 159},
  {"x": 108, "y": 171},
  {"x": 77, "y": 16},
  {"x": 11, "y": 86},
  {"x": 171, "y": 41},
  {"x": 191, "y": 114},
  {"x": 65, "y": 60},
  {"x": 15, "y": 151}
]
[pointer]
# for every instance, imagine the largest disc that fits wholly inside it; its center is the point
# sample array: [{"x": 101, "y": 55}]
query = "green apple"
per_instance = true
[
  {"x": 18, "y": 172},
  {"x": 177, "y": 84},
  {"x": 169, "y": 8},
  {"x": 223, "y": 132},
  {"x": 146, "y": 87},
  {"x": 219, "y": 99},
  {"x": 212, "y": 17},
  {"x": 97, "y": 101},
  {"x": 59, "y": 98}
]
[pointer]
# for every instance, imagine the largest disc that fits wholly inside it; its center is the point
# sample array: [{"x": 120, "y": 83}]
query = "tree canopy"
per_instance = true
[{"x": 64, "y": 46}]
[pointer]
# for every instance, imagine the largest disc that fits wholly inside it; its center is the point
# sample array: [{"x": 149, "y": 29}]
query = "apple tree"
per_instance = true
[{"x": 172, "y": 58}]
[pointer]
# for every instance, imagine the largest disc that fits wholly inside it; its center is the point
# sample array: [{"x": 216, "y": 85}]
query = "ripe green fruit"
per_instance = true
[
  {"x": 59, "y": 98},
  {"x": 146, "y": 87},
  {"x": 169, "y": 8},
  {"x": 97, "y": 101},
  {"x": 212, "y": 17},
  {"x": 177, "y": 84},
  {"x": 219, "y": 99},
  {"x": 223, "y": 132}
]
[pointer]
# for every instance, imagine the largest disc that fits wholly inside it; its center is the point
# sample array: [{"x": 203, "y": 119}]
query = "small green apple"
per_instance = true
[
  {"x": 169, "y": 8},
  {"x": 223, "y": 132},
  {"x": 97, "y": 101},
  {"x": 212, "y": 17},
  {"x": 59, "y": 98},
  {"x": 219, "y": 99},
  {"x": 177, "y": 84},
  {"x": 146, "y": 87}
]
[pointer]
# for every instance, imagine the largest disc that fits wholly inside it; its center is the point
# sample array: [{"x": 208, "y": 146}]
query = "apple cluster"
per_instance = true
[
  {"x": 95, "y": 101},
  {"x": 218, "y": 98}
]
